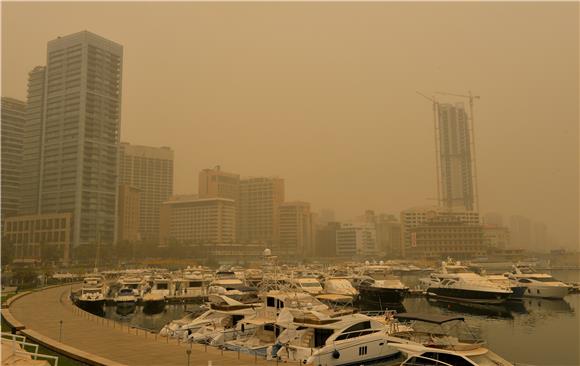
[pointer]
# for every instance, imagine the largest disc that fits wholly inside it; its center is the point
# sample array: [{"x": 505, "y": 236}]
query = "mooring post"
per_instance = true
[{"x": 60, "y": 332}]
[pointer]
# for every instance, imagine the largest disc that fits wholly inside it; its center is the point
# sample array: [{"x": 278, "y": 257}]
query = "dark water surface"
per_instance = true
[{"x": 532, "y": 331}]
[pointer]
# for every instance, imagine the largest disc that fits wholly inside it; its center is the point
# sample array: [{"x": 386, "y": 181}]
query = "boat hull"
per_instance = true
[
  {"x": 518, "y": 292},
  {"x": 93, "y": 306},
  {"x": 546, "y": 292},
  {"x": 378, "y": 295},
  {"x": 472, "y": 296}
]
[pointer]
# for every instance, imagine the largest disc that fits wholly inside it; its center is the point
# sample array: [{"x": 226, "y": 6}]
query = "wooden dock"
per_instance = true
[{"x": 48, "y": 317}]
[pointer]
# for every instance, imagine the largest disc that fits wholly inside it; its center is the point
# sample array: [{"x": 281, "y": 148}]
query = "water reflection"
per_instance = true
[
  {"x": 488, "y": 310},
  {"x": 547, "y": 305}
]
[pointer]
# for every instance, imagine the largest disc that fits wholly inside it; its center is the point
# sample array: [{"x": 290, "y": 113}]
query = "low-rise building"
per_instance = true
[
  {"x": 358, "y": 240},
  {"x": 417, "y": 216},
  {"x": 198, "y": 220},
  {"x": 443, "y": 237},
  {"x": 36, "y": 238},
  {"x": 496, "y": 237}
]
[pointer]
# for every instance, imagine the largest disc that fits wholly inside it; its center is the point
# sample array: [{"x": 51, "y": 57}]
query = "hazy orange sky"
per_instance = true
[{"x": 323, "y": 94}]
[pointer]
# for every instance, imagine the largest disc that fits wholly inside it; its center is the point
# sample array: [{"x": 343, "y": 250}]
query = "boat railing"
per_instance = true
[{"x": 19, "y": 348}]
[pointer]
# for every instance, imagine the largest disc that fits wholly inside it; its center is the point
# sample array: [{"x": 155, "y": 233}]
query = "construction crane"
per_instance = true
[
  {"x": 436, "y": 134},
  {"x": 471, "y": 98}
]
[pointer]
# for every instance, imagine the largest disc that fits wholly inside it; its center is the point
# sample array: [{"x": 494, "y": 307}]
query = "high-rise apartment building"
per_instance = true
[
  {"x": 150, "y": 170},
  {"x": 72, "y": 126},
  {"x": 198, "y": 221},
  {"x": 295, "y": 234},
  {"x": 32, "y": 142},
  {"x": 259, "y": 203},
  {"x": 418, "y": 216},
  {"x": 455, "y": 158},
  {"x": 12, "y": 137},
  {"x": 128, "y": 213},
  {"x": 217, "y": 183},
  {"x": 82, "y": 115}
]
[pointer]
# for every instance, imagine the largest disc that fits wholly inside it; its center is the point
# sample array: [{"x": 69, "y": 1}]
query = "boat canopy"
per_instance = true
[{"x": 428, "y": 318}]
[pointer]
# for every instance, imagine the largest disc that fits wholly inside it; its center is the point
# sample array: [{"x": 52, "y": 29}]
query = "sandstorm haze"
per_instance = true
[{"x": 324, "y": 94}]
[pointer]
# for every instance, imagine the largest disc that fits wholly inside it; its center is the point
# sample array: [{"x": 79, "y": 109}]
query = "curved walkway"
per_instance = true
[{"x": 98, "y": 341}]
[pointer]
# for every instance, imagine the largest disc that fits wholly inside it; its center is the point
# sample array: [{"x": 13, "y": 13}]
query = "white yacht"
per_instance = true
[
  {"x": 154, "y": 296},
  {"x": 191, "y": 284},
  {"x": 538, "y": 284},
  {"x": 93, "y": 293},
  {"x": 228, "y": 284},
  {"x": 456, "y": 282},
  {"x": 136, "y": 284},
  {"x": 439, "y": 340},
  {"x": 419, "y": 355},
  {"x": 314, "y": 338},
  {"x": 125, "y": 296},
  {"x": 223, "y": 315}
]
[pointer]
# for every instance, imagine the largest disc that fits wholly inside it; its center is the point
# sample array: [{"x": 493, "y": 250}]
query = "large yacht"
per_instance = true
[
  {"x": 93, "y": 292},
  {"x": 538, "y": 284},
  {"x": 439, "y": 340},
  {"x": 223, "y": 313},
  {"x": 155, "y": 296},
  {"x": 456, "y": 282},
  {"x": 313, "y": 338},
  {"x": 228, "y": 284}
]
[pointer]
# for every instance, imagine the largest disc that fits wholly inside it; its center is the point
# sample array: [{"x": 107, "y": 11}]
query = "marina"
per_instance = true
[{"x": 258, "y": 328}]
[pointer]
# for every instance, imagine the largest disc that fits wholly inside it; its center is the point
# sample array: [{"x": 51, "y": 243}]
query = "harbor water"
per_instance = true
[{"x": 532, "y": 331}]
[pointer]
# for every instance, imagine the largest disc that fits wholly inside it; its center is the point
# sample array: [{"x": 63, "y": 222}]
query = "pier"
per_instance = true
[{"x": 48, "y": 317}]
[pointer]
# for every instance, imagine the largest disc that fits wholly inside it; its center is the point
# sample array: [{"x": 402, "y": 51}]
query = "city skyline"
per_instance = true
[{"x": 367, "y": 153}]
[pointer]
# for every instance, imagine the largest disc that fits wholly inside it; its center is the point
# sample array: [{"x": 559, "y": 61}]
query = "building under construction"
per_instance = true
[{"x": 456, "y": 172}]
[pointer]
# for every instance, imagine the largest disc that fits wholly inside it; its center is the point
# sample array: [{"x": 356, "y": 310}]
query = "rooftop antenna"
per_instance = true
[
  {"x": 436, "y": 135},
  {"x": 470, "y": 97}
]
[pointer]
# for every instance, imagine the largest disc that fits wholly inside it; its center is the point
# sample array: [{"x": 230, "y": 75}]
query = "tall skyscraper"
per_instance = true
[
  {"x": 32, "y": 142},
  {"x": 12, "y": 134},
  {"x": 149, "y": 169},
  {"x": 73, "y": 127},
  {"x": 455, "y": 158},
  {"x": 259, "y": 203}
]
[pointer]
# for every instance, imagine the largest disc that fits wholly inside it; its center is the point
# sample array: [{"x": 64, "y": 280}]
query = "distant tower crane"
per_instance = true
[
  {"x": 471, "y": 97},
  {"x": 436, "y": 135}
]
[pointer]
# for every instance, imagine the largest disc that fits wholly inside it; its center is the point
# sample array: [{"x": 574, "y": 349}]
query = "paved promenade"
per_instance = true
[{"x": 99, "y": 341}]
